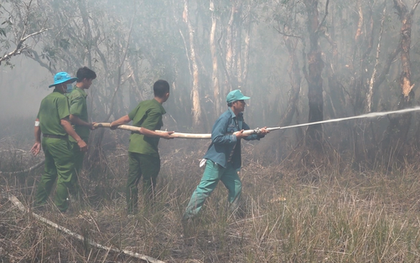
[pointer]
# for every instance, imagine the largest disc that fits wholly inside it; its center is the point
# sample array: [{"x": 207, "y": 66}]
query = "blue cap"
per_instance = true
[
  {"x": 62, "y": 77},
  {"x": 236, "y": 95}
]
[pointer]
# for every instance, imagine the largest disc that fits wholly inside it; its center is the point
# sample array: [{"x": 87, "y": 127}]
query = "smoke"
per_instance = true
[{"x": 22, "y": 88}]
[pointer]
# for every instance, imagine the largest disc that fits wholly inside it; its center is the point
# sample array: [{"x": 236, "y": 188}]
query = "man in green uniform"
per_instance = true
[
  {"x": 53, "y": 122},
  {"x": 143, "y": 152},
  {"x": 79, "y": 114}
]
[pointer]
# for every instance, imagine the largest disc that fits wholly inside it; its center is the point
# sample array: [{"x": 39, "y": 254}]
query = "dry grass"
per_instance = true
[{"x": 343, "y": 216}]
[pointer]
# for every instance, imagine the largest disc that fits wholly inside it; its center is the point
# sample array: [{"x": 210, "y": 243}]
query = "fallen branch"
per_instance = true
[
  {"x": 26, "y": 170},
  {"x": 22, "y": 208},
  {"x": 16, "y": 150}
]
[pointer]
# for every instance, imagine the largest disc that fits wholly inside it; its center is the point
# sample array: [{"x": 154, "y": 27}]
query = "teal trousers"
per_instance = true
[
  {"x": 213, "y": 173},
  {"x": 59, "y": 166},
  {"x": 140, "y": 165}
]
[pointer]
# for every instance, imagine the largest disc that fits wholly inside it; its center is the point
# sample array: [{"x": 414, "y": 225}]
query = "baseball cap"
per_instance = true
[{"x": 236, "y": 95}]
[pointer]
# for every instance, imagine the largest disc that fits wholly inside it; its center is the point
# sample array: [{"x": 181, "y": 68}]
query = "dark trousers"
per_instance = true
[
  {"x": 78, "y": 157},
  {"x": 141, "y": 165}
]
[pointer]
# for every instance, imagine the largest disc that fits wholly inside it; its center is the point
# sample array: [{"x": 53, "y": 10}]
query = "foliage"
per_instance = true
[
  {"x": 131, "y": 44},
  {"x": 20, "y": 28}
]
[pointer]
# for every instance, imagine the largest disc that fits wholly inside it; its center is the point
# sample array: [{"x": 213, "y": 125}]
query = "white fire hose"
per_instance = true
[
  {"x": 175, "y": 134},
  {"x": 257, "y": 130}
]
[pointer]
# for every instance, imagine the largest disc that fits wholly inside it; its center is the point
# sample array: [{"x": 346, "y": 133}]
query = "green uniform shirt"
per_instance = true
[
  {"x": 54, "y": 107},
  {"x": 147, "y": 114},
  {"x": 78, "y": 107}
]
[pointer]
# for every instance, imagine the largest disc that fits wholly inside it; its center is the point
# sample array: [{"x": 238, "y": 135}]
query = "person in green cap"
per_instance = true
[
  {"x": 223, "y": 157},
  {"x": 143, "y": 155},
  {"x": 79, "y": 114},
  {"x": 54, "y": 124}
]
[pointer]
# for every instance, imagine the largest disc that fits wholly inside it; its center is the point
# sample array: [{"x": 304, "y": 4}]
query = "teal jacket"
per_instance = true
[{"x": 225, "y": 148}]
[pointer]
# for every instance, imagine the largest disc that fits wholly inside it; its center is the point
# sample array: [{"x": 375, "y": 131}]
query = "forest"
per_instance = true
[{"x": 343, "y": 191}]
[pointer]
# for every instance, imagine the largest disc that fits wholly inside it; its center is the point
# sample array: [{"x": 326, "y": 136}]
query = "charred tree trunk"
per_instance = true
[
  {"x": 399, "y": 125},
  {"x": 335, "y": 96},
  {"x": 363, "y": 40},
  {"x": 295, "y": 81},
  {"x": 363, "y": 44},
  {"x": 313, "y": 77}
]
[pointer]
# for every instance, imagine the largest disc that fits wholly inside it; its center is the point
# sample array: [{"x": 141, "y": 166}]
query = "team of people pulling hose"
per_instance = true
[{"x": 63, "y": 122}]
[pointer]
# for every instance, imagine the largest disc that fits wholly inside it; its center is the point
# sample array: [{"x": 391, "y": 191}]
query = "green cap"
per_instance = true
[{"x": 236, "y": 95}]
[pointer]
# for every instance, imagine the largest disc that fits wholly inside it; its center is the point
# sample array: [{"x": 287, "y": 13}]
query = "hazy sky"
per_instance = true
[{"x": 22, "y": 88}]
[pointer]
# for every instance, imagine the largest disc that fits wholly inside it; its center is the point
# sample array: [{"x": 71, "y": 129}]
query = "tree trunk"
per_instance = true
[
  {"x": 396, "y": 134},
  {"x": 399, "y": 125},
  {"x": 363, "y": 44},
  {"x": 313, "y": 76},
  {"x": 213, "y": 50},
  {"x": 237, "y": 47},
  {"x": 247, "y": 39},
  {"x": 196, "y": 110},
  {"x": 295, "y": 81},
  {"x": 372, "y": 80},
  {"x": 88, "y": 33},
  {"x": 229, "y": 47}
]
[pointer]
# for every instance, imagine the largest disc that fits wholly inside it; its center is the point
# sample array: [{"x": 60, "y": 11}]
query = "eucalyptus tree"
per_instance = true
[
  {"x": 89, "y": 33},
  {"x": 351, "y": 65},
  {"x": 84, "y": 33},
  {"x": 236, "y": 20},
  {"x": 344, "y": 39},
  {"x": 216, "y": 39},
  {"x": 365, "y": 55},
  {"x": 21, "y": 26},
  {"x": 313, "y": 72},
  {"x": 302, "y": 25},
  {"x": 399, "y": 126}
]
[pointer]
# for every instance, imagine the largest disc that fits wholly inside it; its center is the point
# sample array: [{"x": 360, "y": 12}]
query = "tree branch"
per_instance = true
[
  {"x": 285, "y": 34},
  {"x": 22, "y": 208},
  {"x": 414, "y": 7},
  {"x": 325, "y": 16}
]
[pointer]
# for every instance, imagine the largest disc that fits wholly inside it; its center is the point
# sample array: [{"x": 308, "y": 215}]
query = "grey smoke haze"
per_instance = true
[
  {"x": 22, "y": 88},
  {"x": 159, "y": 47}
]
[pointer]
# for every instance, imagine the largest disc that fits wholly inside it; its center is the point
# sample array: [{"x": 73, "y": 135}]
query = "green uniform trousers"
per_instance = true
[
  {"x": 144, "y": 165},
  {"x": 213, "y": 173},
  {"x": 78, "y": 157},
  {"x": 59, "y": 165}
]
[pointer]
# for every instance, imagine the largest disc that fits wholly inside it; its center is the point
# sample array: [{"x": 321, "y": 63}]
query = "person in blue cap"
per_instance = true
[
  {"x": 223, "y": 157},
  {"x": 54, "y": 124}
]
